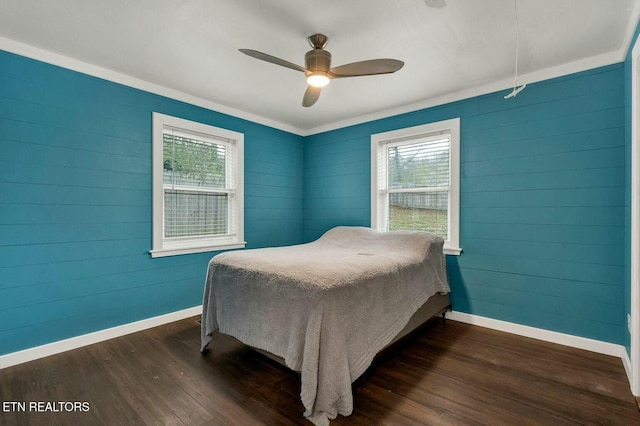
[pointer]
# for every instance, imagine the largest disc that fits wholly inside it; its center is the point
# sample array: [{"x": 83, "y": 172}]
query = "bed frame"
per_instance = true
[{"x": 436, "y": 305}]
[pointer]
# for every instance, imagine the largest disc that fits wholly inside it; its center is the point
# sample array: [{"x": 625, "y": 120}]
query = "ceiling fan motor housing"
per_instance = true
[{"x": 318, "y": 60}]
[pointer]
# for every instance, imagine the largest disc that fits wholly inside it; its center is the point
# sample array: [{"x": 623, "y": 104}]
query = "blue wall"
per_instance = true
[
  {"x": 542, "y": 200},
  {"x": 75, "y": 203}
]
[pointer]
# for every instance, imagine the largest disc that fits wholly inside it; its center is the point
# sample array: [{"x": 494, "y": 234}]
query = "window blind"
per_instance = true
[{"x": 413, "y": 184}]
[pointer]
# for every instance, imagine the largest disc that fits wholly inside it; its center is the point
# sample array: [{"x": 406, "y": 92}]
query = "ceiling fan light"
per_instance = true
[{"x": 318, "y": 79}]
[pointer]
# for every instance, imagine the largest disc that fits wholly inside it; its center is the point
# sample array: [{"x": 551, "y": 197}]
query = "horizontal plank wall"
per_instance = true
[
  {"x": 542, "y": 200},
  {"x": 75, "y": 203}
]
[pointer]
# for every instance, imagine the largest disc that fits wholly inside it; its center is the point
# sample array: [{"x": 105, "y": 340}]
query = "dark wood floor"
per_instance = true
[{"x": 460, "y": 374}]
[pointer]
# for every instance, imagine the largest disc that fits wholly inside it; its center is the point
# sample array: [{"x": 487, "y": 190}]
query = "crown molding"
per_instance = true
[
  {"x": 52, "y": 58},
  {"x": 631, "y": 30},
  {"x": 505, "y": 84}
]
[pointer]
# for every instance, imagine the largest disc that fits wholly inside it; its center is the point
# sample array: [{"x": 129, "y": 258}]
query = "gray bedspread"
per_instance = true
[{"x": 326, "y": 307}]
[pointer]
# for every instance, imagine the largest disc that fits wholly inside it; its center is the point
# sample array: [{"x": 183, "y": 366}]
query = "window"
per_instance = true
[
  {"x": 197, "y": 187},
  {"x": 415, "y": 180}
]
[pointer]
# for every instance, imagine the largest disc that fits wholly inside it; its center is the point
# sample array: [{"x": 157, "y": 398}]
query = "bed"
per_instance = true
[{"x": 326, "y": 308}]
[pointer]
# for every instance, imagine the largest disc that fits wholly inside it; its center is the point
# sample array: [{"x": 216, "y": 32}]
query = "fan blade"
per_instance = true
[
  {"x": 370, "y": 67},
  {"x": 272, "y": 59},
  {"x": 311, "y": 95}
]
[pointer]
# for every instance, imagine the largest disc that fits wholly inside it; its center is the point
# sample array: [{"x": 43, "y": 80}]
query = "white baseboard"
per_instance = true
[
  {"x": 597, "y": 346},
  {"x": 37, "y": 352},
  {"x": 626, "y": 362}
]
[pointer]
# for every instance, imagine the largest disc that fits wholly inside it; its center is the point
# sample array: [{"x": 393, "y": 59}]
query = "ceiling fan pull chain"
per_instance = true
[{"x": 516, "y": 89}]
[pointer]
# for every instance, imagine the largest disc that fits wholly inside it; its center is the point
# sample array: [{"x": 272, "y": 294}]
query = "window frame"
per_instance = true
[
  {"x": 187, "y": 245},
  {"x": 409, "y": 135}
]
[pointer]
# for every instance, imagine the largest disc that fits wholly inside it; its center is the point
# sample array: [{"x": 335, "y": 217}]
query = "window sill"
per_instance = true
[
  {"x": 452, "y": 251},
  {"x": 176, "y": 251}
]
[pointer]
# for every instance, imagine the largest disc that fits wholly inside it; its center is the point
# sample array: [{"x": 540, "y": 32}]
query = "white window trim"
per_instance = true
[
  {"x": 452, "y": 126},
  {"x": 171, "y": 247}
]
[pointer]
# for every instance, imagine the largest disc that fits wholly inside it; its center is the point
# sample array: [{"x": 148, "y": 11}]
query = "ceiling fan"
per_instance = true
[{"x": 318, "y": 67}]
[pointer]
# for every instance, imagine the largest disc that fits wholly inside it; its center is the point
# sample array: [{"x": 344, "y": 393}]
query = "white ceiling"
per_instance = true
[{"x": 448, "y": 46}]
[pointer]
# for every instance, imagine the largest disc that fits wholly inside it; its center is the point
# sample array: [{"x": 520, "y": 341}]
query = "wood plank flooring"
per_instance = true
[{"x": 456, "y": 375}]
